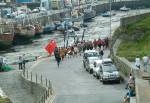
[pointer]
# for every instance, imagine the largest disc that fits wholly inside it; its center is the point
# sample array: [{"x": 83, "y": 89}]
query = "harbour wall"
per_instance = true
[
  {"x": 99, "y": 8},
  {"x": 133, "y": 19}
]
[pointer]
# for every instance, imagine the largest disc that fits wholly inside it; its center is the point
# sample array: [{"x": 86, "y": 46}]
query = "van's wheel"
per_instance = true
[
  {"x": 103, "y": 82},
  {"x": 100, "y": 78},
  {"x": 91, "y": 71},
  {"x": 97, "y": 77}
]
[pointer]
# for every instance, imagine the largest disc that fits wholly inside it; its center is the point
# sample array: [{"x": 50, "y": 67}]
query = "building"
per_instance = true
[
  {"x": 57, "y": 4},
  {"x": 24, "y": 1},
  {"x": 45, "y": 4}
]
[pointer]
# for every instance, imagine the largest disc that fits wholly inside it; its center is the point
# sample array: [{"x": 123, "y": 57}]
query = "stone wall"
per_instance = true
[
  {"x": 35, "y": 89},
  {"x": 132, "y": 19}
]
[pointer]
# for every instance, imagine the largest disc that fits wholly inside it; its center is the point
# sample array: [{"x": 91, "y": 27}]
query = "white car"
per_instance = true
[
  {"x": 124, "y": 8},
  {"x": 89, "y": 65},
  {"x": 96, "y": 69},
  {"x": 89, "y": 53},
  {"x": 107, "y": 61},
  {"x": 109, "y": 72},
  {"x": 98, "y": 64}
]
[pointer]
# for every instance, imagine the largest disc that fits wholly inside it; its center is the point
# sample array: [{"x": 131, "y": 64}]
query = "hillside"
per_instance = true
[{"x": 136, "y": 40}]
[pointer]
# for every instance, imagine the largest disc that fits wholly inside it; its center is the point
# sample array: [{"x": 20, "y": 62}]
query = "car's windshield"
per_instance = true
[
  {"x": 109, "y": 68},
  {"x": 92, "y": 54},
  {"x": 92, "y": 60}
]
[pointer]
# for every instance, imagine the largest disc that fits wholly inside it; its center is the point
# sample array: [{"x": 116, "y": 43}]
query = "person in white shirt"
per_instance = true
[
  {"x": 137, "y": 62},
  {"x": 145, "y": 61}
]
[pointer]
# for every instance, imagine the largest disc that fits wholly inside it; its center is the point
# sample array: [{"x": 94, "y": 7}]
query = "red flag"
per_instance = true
[{"x": 51, "y": 47}]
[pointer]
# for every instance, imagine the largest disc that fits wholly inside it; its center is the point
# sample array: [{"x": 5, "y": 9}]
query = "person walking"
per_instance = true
[
  {"x": 101, "y": 54},
  {"x": 57, "y": 56},
  {"x": 145, "y": 63},
  {"x": 95, "y": 44},
  {"x": 20, "y": 63},
  {"x": 23, "y": 61},
  {"x": 137, "y": 62}
]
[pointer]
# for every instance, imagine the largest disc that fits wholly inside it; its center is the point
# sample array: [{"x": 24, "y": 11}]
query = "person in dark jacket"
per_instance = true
[
  {"x": 101, "y": 54},
  {"x": 57, "y": 56}
]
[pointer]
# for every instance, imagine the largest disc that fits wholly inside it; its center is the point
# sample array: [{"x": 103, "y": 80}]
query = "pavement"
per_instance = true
[
  {"x": 142, "y": 84},
  {"x": 72, "y": 84}
]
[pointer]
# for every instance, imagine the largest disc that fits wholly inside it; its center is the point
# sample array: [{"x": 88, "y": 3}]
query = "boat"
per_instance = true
[
  {"x": 89, "y": 13},
  {"x": 49, "y": 28},
  {"x": 23, "y": 34},
  {"x": 6, "y": 36},
  {"x": 124, "y": 8},
  {"x": 38, "y": 29},
  {"x": 25, "y": 31}
]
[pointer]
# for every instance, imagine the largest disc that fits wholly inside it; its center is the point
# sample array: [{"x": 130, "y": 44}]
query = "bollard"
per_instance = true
[
  {"x": 50, "y": 86},
  {"x": 48, "y": 92},
  {"x": 46, "y": 95},
  {"x": 27, "y": 74},
  {"x": 31, "y": 76},
  {"x": 41, "y": 80},
  {"x": 24, "y": 72},
  {"x": 44, "y": 98},
  {"x": 49, "y": 83},
  {"x": 36, "y": 78},
  {"x": 46, "y": 82}
]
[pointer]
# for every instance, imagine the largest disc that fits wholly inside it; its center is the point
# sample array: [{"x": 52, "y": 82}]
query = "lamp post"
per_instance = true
[
  {"x": 83, "y": 34},
  {"x": 110, "y": 1},
  {"x": 110, "y": 43}
]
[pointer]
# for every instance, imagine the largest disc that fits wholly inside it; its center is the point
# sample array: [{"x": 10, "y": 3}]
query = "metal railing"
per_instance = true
[{"x": 44, "y": 82}]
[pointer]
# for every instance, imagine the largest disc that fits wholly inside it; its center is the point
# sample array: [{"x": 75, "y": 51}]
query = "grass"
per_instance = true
[
  {"x": 136, "y": 41},
  {"x": 5, "y": 100}
]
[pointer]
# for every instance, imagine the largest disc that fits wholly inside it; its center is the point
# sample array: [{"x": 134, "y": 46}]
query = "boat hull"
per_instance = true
[
  {"x": 49, "y": 28},
  {"x": 6, "y": 41},
  {"x": 89, "y": 15},
  {"x": 38, "y": 30},
  {"x": 23, "y": 35},
  {"x": 21, "y": 39}
]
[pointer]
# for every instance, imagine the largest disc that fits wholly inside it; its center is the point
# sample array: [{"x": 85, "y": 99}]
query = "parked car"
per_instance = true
[
  {"x": 98, "y": 63},
  {"x": 108, "y": 14},
  {"x": 109, "y": 72},
  {"x": 107, "y": 61},
  {"x": 36, "y": 10},
  {"x": 89, "y": 53},
  {"x": 96, "y": 69},
  {"x": 124, "y": 8},
  {"x": 89, "y": 64},
  {"x": 49, "y": 28}
]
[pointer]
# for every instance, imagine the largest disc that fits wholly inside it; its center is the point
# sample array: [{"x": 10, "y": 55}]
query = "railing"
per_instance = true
[{"x": 44, "y": 82}]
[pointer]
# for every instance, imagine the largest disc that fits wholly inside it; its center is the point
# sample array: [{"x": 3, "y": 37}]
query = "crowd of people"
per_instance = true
[{"x": 80, "y": 46}]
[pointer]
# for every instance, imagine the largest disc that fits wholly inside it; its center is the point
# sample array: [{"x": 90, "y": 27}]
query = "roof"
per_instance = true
[
  {"x": 93, "y": 58},
  {"x": 87, "y": 51},
  {"x": 107, "y": 60}
]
